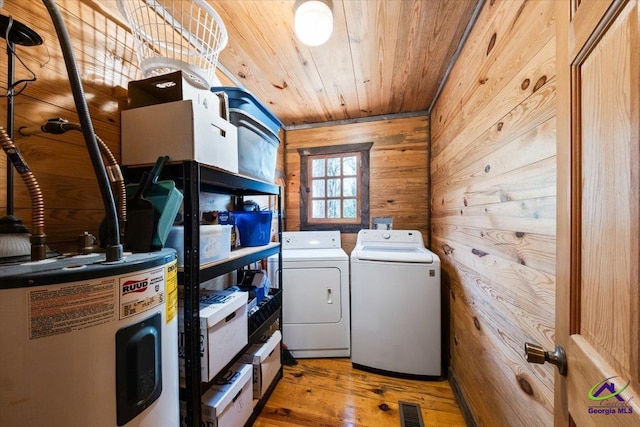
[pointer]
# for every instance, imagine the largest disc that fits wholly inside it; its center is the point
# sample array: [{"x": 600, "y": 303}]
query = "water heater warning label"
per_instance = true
[
  {"x": 171, "y": 285},
  {"x": 61, "y": 309},
  {"x": 141, "y": 292}
]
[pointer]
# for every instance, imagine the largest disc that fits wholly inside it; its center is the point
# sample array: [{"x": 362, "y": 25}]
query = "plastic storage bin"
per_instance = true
[
  {"x": 240, "y": 99},
  {"x": 257, "y": 146},
  {"x": 258, "y": 131},
  {"x": 214, "y": 242},
  {"x": 254, "y": 227}
]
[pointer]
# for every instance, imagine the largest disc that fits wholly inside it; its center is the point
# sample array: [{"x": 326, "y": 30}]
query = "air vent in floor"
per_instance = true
[{"x": 410, "y": 415}]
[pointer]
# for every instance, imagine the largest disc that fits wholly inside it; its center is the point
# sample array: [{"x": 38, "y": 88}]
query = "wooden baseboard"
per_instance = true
[{"x": 462, "y": 403}]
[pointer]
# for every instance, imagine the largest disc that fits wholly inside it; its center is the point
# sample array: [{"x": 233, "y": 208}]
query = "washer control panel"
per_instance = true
[{"x": 407, "y": 237}]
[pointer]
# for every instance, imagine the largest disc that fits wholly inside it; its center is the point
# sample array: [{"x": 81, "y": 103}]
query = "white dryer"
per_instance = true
[
  {"x": 395, "y": 304},
  {"x": 315, "y": 294}
]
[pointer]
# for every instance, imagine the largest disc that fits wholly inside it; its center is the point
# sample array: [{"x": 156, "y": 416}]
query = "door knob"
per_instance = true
[{"x": 536, "y": 354}]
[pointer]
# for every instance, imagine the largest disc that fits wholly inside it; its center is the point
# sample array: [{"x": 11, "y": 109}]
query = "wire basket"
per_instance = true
[{"x": 176, "y": 35}]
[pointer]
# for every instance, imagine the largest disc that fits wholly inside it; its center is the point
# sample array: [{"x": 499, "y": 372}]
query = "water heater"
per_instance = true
[{"x": 84, "y": 342}]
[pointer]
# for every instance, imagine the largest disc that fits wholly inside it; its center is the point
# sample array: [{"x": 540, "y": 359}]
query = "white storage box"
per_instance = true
[
  {"x": 223, "y": 330},
  {"x": 183, "y": 130},
  {"x": 265, "y": 358},
  {"x": 215, "y": 242},
  {"x": 228, "y": 403}
]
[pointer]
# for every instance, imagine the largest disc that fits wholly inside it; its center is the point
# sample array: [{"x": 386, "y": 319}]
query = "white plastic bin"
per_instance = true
[
  {"x": 214, "y": 242},
  {"x": 257, "y": 146}
]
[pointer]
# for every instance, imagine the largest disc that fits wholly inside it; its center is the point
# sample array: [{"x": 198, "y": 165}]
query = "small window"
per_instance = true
[
  {"x": 335, "y": 181},
  {"x": 334, "y": 188}
]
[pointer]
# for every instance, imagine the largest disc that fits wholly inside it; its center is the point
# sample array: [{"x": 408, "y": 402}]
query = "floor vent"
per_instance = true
[{"x": 410, "y": 415}]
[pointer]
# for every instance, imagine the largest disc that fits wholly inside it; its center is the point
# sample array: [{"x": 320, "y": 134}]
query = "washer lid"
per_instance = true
[{"x": 393, "y": 253}]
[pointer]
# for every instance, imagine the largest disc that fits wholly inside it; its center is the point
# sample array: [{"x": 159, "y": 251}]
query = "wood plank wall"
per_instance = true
[
  {"x": 103, "y": 49},
  {"x": 493, "y": 173},
  {"x": 398, "y": 169},
  {"x": 61, "y": 163}
]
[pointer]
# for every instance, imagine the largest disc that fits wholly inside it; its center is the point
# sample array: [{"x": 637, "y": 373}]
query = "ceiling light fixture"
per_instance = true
[{"x": 313, "y": 21}]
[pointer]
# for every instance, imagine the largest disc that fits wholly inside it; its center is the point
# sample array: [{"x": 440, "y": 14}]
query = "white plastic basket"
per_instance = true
[{"x": 172, "y": 35}]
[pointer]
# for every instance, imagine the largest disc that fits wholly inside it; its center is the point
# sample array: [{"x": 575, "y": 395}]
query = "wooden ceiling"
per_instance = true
[{"x": 384, "y": 57}]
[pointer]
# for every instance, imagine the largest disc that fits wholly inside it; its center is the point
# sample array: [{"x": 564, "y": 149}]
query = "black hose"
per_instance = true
[{"x": 114, "y": 250}]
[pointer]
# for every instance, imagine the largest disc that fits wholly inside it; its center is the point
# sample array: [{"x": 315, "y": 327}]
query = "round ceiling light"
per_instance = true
[{"x": 313, "y": 21}]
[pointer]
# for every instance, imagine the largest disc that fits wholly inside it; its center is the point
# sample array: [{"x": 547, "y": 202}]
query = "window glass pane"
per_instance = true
[
  {"x": 317, "y": 189},
  {"x": 334, "y": 208},
  {"x": 349, "y": 208},
  {"x": 333, "y": 166},
  {"x": 333, "y": 188},
  {"x": 349, "y": 187},
  {"x": 318, "y": 209},
  {"x": 349, "y": 165},
  {"x": 317, "y": 167}
]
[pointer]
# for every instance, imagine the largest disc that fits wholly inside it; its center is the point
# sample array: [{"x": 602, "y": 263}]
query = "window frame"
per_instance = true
[
  {"x": 341, "y": 197},
  {"x": 341, "y": 224}
]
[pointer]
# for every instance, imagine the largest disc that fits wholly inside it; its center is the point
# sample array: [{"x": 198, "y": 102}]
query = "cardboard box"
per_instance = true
[
  {"x": 223, "y": 330},
  {"x": 228, "y": 403},
  {"x": 182, "y": 130},
  {"x": 265, "y": 358},
  {"x": 168, "y": 88}
]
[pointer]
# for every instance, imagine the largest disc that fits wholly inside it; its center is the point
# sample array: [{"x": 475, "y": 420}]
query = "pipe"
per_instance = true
[
  {"x": 38, "y": 238},
  {"x": 59, "y": 126},
  {"x": 10, "y": 115},
  {"x": 114, "y": 249}
]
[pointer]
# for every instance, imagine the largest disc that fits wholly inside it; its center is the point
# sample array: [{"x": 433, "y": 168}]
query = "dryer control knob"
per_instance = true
[{"x": 386, "y": 235}]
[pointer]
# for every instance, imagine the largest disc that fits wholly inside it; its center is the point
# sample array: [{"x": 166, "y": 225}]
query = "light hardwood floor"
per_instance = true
[{"x": 330, "y": 393}]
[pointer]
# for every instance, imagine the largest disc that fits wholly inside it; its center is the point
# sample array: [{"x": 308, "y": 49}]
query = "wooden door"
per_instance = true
[{"x": 598, "y": 212}]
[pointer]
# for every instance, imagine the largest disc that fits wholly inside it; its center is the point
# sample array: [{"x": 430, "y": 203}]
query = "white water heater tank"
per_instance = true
[{"x": 89, "y": 343}]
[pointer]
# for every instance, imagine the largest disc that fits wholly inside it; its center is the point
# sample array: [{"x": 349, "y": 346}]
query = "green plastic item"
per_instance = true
[{"x": 166, "y": 198}]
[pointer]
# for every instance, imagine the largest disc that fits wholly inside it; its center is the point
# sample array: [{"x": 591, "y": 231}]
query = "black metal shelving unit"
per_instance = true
[{"x": 192, "y": 178}]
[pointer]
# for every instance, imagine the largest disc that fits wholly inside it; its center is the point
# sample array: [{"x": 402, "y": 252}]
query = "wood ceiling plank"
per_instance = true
[{"x": 384, "y": 57}]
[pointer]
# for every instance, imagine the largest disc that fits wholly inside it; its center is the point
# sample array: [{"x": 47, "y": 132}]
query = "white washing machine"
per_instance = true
[
  {"x": 395, "y": 305},
  {"x": 315, "y": 294}
]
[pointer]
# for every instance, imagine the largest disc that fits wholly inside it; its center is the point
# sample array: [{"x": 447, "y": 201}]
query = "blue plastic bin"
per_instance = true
[
  {"x": 254, "y": 227},
  {"x": 241, "y": 99}
]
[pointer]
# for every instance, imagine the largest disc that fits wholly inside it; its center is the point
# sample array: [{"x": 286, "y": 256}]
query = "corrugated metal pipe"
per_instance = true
[
  {"x": 59, "y": 126},
  {"x": 38, "y": 238}
]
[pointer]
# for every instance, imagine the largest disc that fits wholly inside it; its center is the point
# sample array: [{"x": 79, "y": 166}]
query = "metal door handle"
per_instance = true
[
  {"x": 536, "y": 354},
  {"x": 329, "y": 296}
]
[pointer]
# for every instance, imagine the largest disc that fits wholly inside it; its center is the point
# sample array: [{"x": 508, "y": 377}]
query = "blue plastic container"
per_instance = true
[
  {"x": 254, "y": 227},
  {"x": 243, "y": 100}
]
